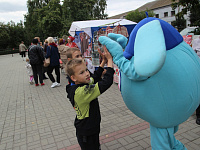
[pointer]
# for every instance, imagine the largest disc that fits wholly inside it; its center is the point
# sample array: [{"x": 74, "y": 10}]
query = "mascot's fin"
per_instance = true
[
  {"x": 122, "y": 40},
  {"x": 149, "y": 54}
]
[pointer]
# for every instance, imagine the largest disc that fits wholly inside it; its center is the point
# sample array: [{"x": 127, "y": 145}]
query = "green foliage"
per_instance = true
[
  {"x": 50, "y": 18},
  {"x": 11, "y": 35},
  {"x": 192, "y": 6},
  {"x": 180, "y": 22},
  {"x": 51, "y": 23},
  {"x": 78, "y": 10},
  {"x": 137, "y": 16},
  {"x": 4, "y": 36}
]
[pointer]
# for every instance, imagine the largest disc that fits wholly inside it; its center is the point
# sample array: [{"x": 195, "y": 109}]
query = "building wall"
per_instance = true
[{"x": 167, "y": 9}]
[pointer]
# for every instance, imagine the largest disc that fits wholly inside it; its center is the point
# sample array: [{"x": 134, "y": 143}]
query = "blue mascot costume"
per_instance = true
[{"x": 160, "y": 78}]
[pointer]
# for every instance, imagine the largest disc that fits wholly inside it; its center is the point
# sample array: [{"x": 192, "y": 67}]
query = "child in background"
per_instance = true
[
  {"x": 83, "y": 95},
  {"x": 29, "y": 70}
]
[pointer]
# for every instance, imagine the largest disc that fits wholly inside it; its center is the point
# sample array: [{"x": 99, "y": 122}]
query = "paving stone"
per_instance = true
[{"x": 42, "y": 118}]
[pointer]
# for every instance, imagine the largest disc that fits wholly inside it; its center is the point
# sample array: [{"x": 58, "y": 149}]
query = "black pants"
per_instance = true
[
  {"x": 89, "y": 142},
  {"x": 57, "y": 72},
  {"x": 198, "y": 112},
  {"x": 37, "y": 70},
  {"x": 23, "y": 54}
]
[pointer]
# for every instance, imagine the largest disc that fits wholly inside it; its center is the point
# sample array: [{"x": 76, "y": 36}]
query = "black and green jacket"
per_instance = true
[{"x": 83, "y": 98}]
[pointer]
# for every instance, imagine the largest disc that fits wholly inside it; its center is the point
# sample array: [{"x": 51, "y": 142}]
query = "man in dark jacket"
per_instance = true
[{"x": 36, "y": 57}]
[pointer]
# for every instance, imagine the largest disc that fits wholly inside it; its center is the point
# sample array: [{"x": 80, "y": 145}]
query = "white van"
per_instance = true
[{"x": 188, "y": 31}]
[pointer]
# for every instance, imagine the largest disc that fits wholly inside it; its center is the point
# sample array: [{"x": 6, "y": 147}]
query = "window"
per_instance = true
[
  {"x": 165, "y": 14},
  {"x": 157, "y": 15},
  {"x": 172, "y": 13}
]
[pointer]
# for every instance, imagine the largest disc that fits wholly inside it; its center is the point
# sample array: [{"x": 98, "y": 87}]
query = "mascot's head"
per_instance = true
[{"x": 171, "y": 35}]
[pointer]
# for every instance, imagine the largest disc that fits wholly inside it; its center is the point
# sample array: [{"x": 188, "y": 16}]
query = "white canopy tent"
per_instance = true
[{"x": 86, "y": 26}]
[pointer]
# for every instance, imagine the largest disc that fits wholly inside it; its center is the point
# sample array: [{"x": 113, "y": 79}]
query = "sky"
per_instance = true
[{"x": 15, "y": 9}]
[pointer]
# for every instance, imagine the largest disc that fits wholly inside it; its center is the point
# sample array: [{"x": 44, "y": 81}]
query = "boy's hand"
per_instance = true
[
  {"x": 106, "y": 53},
  {"x": 104, "y": 59},
  {"x": 102, "y": 56},
  {"x": 108, "y": 56}
]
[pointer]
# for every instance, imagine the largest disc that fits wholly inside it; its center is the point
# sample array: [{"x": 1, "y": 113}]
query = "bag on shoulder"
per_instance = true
[{"x": 46, "y": 62}]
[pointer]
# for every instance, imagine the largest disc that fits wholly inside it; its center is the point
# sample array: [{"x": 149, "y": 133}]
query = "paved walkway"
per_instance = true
[{"x": 41, "y": 118}]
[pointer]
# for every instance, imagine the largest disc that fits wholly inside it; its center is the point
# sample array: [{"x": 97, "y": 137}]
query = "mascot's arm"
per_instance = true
[
  {"x": 149, "y": 51},
  {"x": 125, "y": 65}
]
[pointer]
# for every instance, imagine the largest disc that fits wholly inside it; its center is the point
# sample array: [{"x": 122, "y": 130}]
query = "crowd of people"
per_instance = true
[{"x": 37, "y": 55}]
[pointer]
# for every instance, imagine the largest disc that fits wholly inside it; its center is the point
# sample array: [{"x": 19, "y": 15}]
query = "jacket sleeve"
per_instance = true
[
  {"x": 48, "y": 52},
  {"x": 92, "y": 91},
  {"x": 58, "y": 53},
  {"x": 24, "y": 47},
  {"x": 97, "y": 74},
  {"x": 107, "y": 80},
  {"x": 41, "y": 53}
]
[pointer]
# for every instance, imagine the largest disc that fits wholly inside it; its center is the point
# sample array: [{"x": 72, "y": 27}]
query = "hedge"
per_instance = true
[{"x": 8, "y": 51}]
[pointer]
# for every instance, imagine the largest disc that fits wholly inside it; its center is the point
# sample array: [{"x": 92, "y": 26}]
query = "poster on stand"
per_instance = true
[
  {"x": 95, "y": 59},
  {"x": 89, "y": 31},
  {"x": 196, "y": 44},
  {"x": 188, "y": 39},
  {"x": 116, "y": 74}
]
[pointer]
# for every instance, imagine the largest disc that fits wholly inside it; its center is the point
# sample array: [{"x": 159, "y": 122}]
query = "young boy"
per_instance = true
[
  {"x": 83, "y": 97},
  {"x": 74, "y": 52}
]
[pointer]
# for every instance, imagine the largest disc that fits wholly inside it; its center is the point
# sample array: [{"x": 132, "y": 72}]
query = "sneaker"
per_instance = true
[
  {"x": 58, "y": 84},
  {"x": 36, "y": 84},
  {"x": 31, "y": 82},
  {"x": 54, "y": 84},
  {"x": 42, "y": 84}
]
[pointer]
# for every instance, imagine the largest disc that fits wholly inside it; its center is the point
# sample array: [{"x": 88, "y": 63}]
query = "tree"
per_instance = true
[
  {"x": 4, "y": 36},
  {"x": 31, "y": 19},
  {"x": 79, "y": 10},
  {"x": 50, "y": 19},
  {"x": 137, "y": 16},
  {"x": 180, "y": 22},
  {"x": 189, "y": 6},
  {"x": 11, "y": 34},
  {"x": 43, "y": 18}
]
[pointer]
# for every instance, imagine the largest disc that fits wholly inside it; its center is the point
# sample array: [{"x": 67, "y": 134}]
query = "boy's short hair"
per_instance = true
[
  {"x": 72, "y": 64},
  {"x": 70, "y": 51}
]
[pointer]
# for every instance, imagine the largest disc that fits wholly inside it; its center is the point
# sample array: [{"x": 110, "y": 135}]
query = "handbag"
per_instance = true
[{"x": 46, "y": 62}]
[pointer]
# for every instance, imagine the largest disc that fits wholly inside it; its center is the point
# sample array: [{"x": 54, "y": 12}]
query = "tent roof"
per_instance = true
[{"x": 86, "y": 25}]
